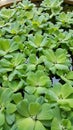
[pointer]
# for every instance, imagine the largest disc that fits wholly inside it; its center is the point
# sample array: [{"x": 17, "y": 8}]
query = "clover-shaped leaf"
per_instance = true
[
  {"x": 61, "y": 95},
  {"x": 38, "y": 40},
  {"x": 38, "y": 79},
  {"x": 53, "y": 5},
  {"x": 7, "y": 46},
  {"x": 56, "y": 60},
  {"x": 65, "y": 19},
  {"x": 6, "y": 14}
]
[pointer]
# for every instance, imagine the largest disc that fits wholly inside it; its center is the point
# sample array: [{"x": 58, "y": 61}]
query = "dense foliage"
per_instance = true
[{"x": 36, "y": 67}]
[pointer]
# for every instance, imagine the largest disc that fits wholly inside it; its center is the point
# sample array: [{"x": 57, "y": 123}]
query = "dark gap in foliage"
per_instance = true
[
  {"x": 62, "y": 81},
  {"x": 20, "y": 91}
]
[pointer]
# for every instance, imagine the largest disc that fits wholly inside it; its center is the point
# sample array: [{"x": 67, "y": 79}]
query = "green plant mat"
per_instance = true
[{"x": 36, "y": 66}]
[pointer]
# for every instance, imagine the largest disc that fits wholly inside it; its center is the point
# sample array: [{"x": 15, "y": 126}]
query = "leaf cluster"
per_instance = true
[{"x": 36, "y": 67}]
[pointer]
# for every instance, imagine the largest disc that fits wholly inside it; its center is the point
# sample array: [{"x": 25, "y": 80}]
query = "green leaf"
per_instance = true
[
  {"x": 51, "y": 96},
  {"x": 65, "y": 18},
  {"x": 70, "y": 75},
  {"x": 68, "y": 102},
  {"x": 22, "y": 108},
  {"x": 6, "y": 126},
  {"x": 38, "y": 79},
  {"x": 18, "y": 59},
  {"x": 53, "y": 5},
  {"x": 33, "y": 59},
  {"x": 6, "y": 95},
  {"x": 39, "y": 126},
  {"x": 57, "y": 90},
  {"x": 10, "y": 108},
  {"x": 4, "y": 44},
  {"x": 50, "y": 55},
  {"x": 34, "y": 108},
  {"x": 30, "y": 89},
  {"x": 45, "y": 113},
  {"x": 15, "y": 85},
  {"x": 56, "y": 113},
  {"x": 61, "y": 55},
  {"x": 2, "y": 118},
  {"x": 55, "y": 125},
  {"x": 61, "y": 67},
  {"x": 41, "y": 90},
  {"x": 5, "y": 63},
  {"x": 12, "y": 75},
  {"x": 38, "y": 39},
  {"x": 7, "y": 13},
  {"x": 13, "y": 47},
  {"x": 56, "y": 60},
  {"x": 17, "y": 97},
  {"x": 66, "y": 90},
  {"x": 10, "y": 119},
  {"x": 66, "y": 123},
  {"x": 30, "y": 97},
  {"x": 1, "y": 128},
  {"x": 25, "y": 124},
  {"x": 36, "y": 47}
]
